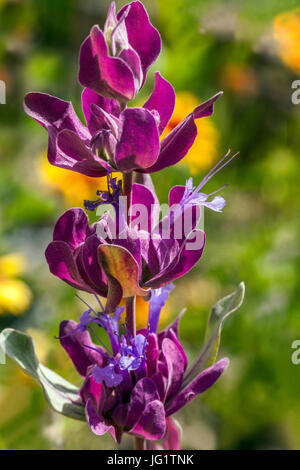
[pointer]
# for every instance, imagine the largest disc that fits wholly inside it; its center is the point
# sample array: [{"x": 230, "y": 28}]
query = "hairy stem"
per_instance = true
[
  {"x": 130, "y": 315},
  {"x": 127, "y": 190},
  {"x": 139, "y": 443}
]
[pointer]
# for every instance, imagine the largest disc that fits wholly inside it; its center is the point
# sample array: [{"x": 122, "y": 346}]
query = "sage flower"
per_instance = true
[
  {"x": 138, "y": 399},
  {"x": 115, "y": 140},
  {"x": 114, "y": 63}
]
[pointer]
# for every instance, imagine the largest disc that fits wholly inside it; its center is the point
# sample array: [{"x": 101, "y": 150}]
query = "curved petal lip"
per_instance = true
[
  {"x": 138, "y": 143},
  {"x": 109, "y": 76}
]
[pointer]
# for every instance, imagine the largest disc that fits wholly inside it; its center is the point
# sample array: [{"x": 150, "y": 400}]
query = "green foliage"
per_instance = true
[{"x": 60, "y": 394}]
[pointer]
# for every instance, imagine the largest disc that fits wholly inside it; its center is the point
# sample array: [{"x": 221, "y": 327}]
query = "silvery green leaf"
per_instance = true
[
  {"x": 219, "y": 312},
  {"x": 61, "y": 395}
]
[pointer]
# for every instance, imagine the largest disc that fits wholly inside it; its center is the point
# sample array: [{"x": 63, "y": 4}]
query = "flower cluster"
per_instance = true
[
  {"x": 142, "y": 379},
  {"x": 138, "y": 385}
]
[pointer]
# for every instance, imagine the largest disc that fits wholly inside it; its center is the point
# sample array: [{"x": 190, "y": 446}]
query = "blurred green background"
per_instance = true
[{"x": 251, "y": 51}]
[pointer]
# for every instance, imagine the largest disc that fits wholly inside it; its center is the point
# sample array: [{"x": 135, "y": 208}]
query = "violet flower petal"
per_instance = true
[
  {"x": 96, "y": 424},
  {"x": 157, "y": 301},
  {"x": 78, "y": 157},
  {"x": 176, "y": 144},
  {"x": 54, "y": 115},
  {"x": 190, "y": 215},
  {"x": 91, "y": 265},
  {"x": 109, "y": 76},
  {"x": 104, "y": 119},
  {"x": 62, "y": 265},
  {"x": 152, "y": 422},
  {"x": 74, "y": 341},
  {"x": 172, "y": 437},
  {"x": 158, "y": 254},
  {"x": 146, "y": 180},
  {"x": 162, "y": 100},
  {"x": 143, "y": 393},
  {"x": 185, "y": 261},
  {"x": 143, "y": 196},
  {"x": 72, "y": 227},
  {"x": 108, "y": 375},
  {"x": 90, "y": 389},
  {"x": 152, "y": 354},
  {"x": 142, "y": 36},
  {"x": 199, "y": 385},
  {"x": 88, "y": 98},
  {"x": 176, "y": 367},
  {"x": 138, "y": 142},
  {"x": 173, "y": 337}
]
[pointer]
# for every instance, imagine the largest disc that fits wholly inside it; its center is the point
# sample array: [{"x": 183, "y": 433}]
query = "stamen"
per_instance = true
[
  {"x": 86, "y": 304},
  {"x": 99, "y": 302},
  {"x": 216, "y": 169},
  {"x": 223, "y": 187},
  {"x": 101, "y": 342},
  {"x": 97, "y": 350}
]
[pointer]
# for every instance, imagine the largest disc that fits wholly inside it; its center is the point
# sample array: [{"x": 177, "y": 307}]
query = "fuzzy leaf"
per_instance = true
[
  {"x": 209, "y": 351},
  {"x": 61, "y": 395}
]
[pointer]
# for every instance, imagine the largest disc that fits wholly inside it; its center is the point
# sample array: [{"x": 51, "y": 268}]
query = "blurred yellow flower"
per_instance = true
[
  {"x": 204, "y": 151},
  {"x": 142, "y": 310},
  {"x": 15, "y": 295},
  {"x": 75, "y": 187},
  {"x": 286, "y": 31},
  {"x": 42, "y": 343},
  {"x": 15, "y": 396}
]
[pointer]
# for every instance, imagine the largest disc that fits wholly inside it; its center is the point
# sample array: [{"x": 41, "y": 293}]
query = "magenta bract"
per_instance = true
[{"x": 142, "y": 401}]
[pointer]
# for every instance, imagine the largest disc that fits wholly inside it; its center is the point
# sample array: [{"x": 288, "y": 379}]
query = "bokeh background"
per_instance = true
[{"x": 251, "y": 51}]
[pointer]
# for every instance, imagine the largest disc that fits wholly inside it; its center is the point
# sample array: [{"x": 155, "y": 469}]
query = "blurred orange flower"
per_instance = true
[
  {"x": 239, "y": 79},
  {"x": 286, "y": 31},
  {"x": 204, "y": 151}
]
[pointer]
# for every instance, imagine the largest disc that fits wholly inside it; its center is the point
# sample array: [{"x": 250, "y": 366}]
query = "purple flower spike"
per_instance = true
[
  {"x": 138, "y": 387},
  {"x": 114, "y": 140},
  {"x": 116, "y": 264}
]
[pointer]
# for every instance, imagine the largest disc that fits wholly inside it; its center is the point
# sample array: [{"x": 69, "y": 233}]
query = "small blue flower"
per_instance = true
[
  {"x": 158, "y": 299},
  {"x": 132, "y": 355},
  {"x": 192, "y": 197},
  {"x": 85, "y": 319},
  {"x": 107, "y": 374}
]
